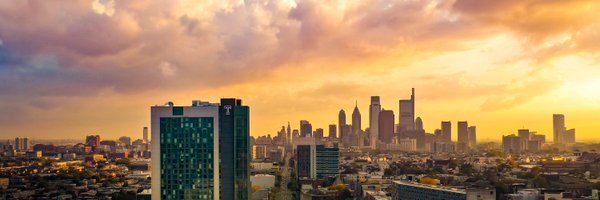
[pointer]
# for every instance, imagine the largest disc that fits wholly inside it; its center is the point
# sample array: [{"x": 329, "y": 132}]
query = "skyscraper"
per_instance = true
[
  {"x": 305, "y": 129},
  {"x": 317, "y": 161},
  {"x": 342, "y": 124},
  {"x": 318, "y": 133},
  {"x": 559, "y": 127},
  {"x": 561, "y": 134},
  {"x": 356, "y": 127},
  {"x": 386, "y": 126},
  {"x": 145, "y": 134},
  {"x": 419, "y": 124},
  {"x": 472, "y": 136},
  {"x": 446, "y": 131},
  {"x": 21, "y": 144},
  {"x": 407, "y": 113},
  {"x": 463, "y": 135},
  {"x": 374, "y": 110},
  {"x": 92, "y": 140},
  {"x": 332, "y": 131},
  {"x": 289, "y": 134},
  {"x": 201, "y": 151}
]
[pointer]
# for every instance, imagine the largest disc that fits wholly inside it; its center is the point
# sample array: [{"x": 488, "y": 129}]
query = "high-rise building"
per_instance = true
[
  {"x": 201, "y": 151},
  {"x": 569, "y": 136},
  {"x": 328, "y": 161},
  {"x": 289, "y": 134},
  {"x": 26, "y": 144},
  {"x": 463, "y": 135},
  {"x": 295, "y": 133},
  {"x": 386, "y": 126},
  {"x": 345, "y": 137},
  {"x": 419, "y": 124},
  {"x": 305, "y": 129},
  {"x": 306, "y": 163},
  {"x": 318, "y": 133},
  {"x": 407, "y": 113},
  {"x": 446, "y": 133},
  {"x": 513, "y": 144},
  {"x": 472, "y": 136},
  {"x": 317, "y": 161},
  {"x": 374, "y": 110},
  {"x": 332, "y": 131},
  {"x": 125, "y": 140},
  {"x": 145, "y": 134},
  {"x": 356, "y": 134},
  {"x": 561, "y": 134},
  {"x": 341, "y": 121},
  {"x": 559, "y": 127},
  {"x": 92, "y": 140},
  {"x": 21, "y": 144},
  {"x": 18, "y": 144}
]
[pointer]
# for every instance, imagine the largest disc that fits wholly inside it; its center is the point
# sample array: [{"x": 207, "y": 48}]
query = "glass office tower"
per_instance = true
[{"x": 187, "y": 143}]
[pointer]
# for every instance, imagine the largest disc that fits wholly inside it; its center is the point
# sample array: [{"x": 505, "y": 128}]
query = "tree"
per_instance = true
[
  {"x": 345, "y": 195},
  {"x": 467, "y": 169},
  {"x": 540, "y": 182}
]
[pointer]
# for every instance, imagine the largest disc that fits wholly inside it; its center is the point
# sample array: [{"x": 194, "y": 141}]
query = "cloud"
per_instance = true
[
  {"x": 85, "y": 48},
  {"x": 534, "y": 19},
  {"x": 167, "y": 69}
]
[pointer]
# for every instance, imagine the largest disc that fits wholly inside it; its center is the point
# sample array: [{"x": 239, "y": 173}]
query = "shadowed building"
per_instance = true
[
  {"x": 386, "y": 126},
  {"x": 406, "y": 115},
  {"x": 374, "y": 110}
]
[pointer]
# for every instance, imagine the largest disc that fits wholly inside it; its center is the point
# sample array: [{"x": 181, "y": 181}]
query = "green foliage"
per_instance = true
[{"x": 345, "y": 195}]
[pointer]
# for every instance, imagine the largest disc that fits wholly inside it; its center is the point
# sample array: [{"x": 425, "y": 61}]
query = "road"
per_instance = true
[{"x": 284, "y": 193}]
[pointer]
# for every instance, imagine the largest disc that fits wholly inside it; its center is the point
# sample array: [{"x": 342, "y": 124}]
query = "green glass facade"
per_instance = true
[
  {"x": 234, "y": 149},
  {"x": 186, "y": 150},
  {"x": 328, "y": 161}
]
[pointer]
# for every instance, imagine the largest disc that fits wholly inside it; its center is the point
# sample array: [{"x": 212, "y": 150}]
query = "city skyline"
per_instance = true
[{"x": 99, "y": 68}]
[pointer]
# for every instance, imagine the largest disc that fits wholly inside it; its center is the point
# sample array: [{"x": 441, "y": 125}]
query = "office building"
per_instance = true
[
  {"x": 386, "y": 126},
  {"x": 569, "y": 136},
  {"x": 406, "y": 115},
  {"x": 328, "y": 161},
  {"x": 374, "y": 110},
  {"x": 92, "y": 140},
  {"x": 443, "y": 147},
  {"x": 356, "y": 134},
  {"x": 332, "y": 131},
  {"x": 463, "y": 136},
  {"x": 419, "y": 124},
  {"x": 559, "y": 127},
  {"x": 318, "y": 133},
  {"x": 289, "y": 134},
  {"x": 410, "y": 191},
  {"x": 561, "y": 134},
  {"x": 305, "y": 129},
  {"x": 341, "y": 123},
  {"x": 306, "y": 165},
  {"x": 513, "y": 144},
  {"x": 317, "y": 161},
  {"x": 407, "y": 144},
  {"x": 446, "y": 132},
  {"x": 345, "y": 136},
  {"x": 125, "y": 140},
  {"x": 21, "y": 144},
  {"x": 145, "y": 135},
  {"x": 472, "y": 136},
  {"x": 201, "y": 151}
]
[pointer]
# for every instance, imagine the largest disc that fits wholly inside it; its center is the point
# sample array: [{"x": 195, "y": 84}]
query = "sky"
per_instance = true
[{"x": 74, "y": 68}]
